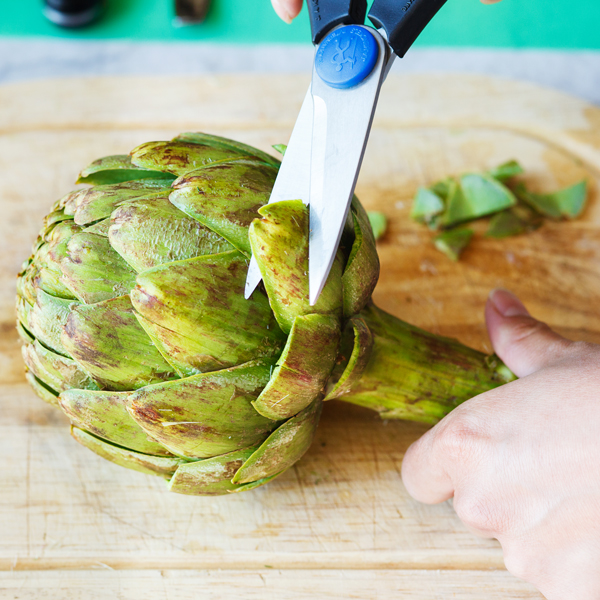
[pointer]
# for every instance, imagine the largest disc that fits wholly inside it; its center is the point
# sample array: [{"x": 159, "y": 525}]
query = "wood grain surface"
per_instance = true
[{"x": 339, "y": 524}]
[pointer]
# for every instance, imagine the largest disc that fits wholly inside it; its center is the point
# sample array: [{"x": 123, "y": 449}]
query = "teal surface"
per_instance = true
[{"x": 467, "y": 23}]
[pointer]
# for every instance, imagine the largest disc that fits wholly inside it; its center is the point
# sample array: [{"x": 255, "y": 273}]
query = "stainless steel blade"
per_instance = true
[
  {"x": 341, "y": 126},
  {"x": 293, "y": 179}
]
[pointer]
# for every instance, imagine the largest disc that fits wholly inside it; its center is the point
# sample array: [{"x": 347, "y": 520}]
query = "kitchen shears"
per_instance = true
[{"x": 326, "y": 148}]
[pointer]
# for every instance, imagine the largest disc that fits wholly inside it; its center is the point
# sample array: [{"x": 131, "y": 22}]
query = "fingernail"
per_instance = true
[
  {"x": 281, "y": 11},
  {"x": 507, "y": 304}
]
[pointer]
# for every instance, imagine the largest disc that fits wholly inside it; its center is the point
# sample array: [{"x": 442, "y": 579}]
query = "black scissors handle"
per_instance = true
[
  {"x": 402, "y": 20},
  {"x": 326, "y": 14}
]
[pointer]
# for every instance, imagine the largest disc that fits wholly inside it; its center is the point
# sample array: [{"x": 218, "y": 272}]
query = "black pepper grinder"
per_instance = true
[{"x": 72, "y": 13}]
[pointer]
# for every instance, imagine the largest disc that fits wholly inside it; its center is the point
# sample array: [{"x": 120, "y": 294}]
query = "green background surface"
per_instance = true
[{"x": 466, "y": 23}]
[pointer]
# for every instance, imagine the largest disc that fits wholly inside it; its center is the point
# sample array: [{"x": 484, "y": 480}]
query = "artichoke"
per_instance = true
[{"x": 134, "y": 322}]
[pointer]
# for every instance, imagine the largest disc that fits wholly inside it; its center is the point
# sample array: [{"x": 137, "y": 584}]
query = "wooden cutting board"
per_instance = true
[{"x": 339, "y": 524}]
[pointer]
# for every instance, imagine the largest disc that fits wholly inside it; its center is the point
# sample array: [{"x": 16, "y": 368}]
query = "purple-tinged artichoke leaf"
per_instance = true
[
  {"x": 232, "y": 146},
  {"x": 280, "y": 245},
  {"x": 225, "y": 197},
  {"x": 109, "y": 343},
  {"x": 56, "y": 371},
  {"x": 117, "y": 169},
  {"x": 453, "y": 242},
  {"x": 42, "y": 390},
  {"x": 96, "y": 203},
  {"x": 178, "y": 158},
  {"x": 362, "y": 269},
  {"x": 211, "y": 476},
  {"x": 203, "y": 299},
  {"x": 205, "y": 415},
  {"x": 173, "y": 235},
  {"x": 93, "y": 271},
  {"x": 47, "y": 320},
  {"x": 283, "y": 447},
  {"x": 303, "y": 368},
  {"x": 355, "y": 353},
  {"x": 99, "y": 228},
  {"x": 163, "y": 466},
  {"x": 105, "y": 415}
]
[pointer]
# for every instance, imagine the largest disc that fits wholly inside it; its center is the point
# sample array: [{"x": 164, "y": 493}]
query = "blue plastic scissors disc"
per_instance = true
[{"x": 346, "y": 56}]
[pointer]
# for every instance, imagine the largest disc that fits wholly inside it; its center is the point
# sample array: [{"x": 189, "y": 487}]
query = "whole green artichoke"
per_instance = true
[{"x": 134, "y": 321}]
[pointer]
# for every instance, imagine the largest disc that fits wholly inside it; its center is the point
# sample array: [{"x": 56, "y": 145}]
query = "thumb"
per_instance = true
[{"x": 525, "y": 344}]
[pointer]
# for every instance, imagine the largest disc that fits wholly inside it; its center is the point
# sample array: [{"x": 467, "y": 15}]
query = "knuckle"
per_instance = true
[
  {"x": 481, "y": 513},
  {"x": 461, "y": 440}
]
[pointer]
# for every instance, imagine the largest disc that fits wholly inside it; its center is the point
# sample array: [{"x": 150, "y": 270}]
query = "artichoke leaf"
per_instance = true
[
  {"x": 506, "y": 170},
  {"x": 96, "y": 203},
  {"x": 105, "y": 415},
  {"x": 211, "y": 476},
  {"x": 453, "y": 242},
  {"x": 172, "y": 236},
  {"x": 109, "y": 343},
  {"x": 362, "y": 269},
  {"x": 303, "y": 368},
  {"x": 203, "y": 298},
  {"x": 426, "y": 205},
  {"x": 283, "y": 447},
  {"x": 205, "y": 415},
  {"x": 359, "y": 355},
  {"x": 56, "y": 371},
  {"x": 226, "y": 197},
  {"x": 163, "y": 466},
  {"x": 47, "y": 320},
  {"x": 42, "y": 390},
  {"x": 93, "y": 271},
  {"x": 280, "y": 245},
  {"x": 117, "y": 169},
  {"x": 232, "y": 146},
  {"x": 178, "y": 158}
]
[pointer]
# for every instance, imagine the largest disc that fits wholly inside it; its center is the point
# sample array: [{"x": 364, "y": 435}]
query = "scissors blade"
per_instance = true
[
  {"x": 293, "y": 179},
  {"x": 341, "y": 126}
]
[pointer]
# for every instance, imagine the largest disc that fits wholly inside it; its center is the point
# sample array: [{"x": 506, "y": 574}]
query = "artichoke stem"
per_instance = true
[{"x": 418, "y": 376}]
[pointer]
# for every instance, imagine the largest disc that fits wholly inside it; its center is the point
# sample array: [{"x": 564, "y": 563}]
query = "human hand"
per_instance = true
[
  {"x": 289, "y": 9},
  {"x": 523, "y": 461}
]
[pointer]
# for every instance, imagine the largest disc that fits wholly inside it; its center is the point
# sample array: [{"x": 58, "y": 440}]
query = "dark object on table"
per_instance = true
[
  {"x": 72, "y": 13},
  {"x": 188, "y": 12}
]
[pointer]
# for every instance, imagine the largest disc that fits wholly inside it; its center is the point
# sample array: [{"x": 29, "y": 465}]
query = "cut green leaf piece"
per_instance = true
[
  {"x": 568, "y": 202},
  {"x": 303, "y": 368},
  {"x": 56, "y": 371},
  {"x": 426, "y": 205},
  {"x": 116, "y": 169},
  {"x": 163, "y": 466},
  {"x": 281, "y": 148},
  {"x": 232, "y": 146},
  {"x": 96, "y": 203},
  {"x": 211, "y": 476},
  {"x": 283, "y": 447},
  {"x": 207, "y": 414},
  {"x": 453, "y": 242},
  {"x": 105, "y": 415},
  {"x": 246, "y": 487},
  {"x": 93, "y": 271},
  {"x": 226, "y": 197},
  {"x": 173, "y": 235},
  {"x": 475, "y": 196},
  {"x": 280, "y": 245},
  {"x": 203, "y": 299},
  {"x": 378, "y": 223},
  {"x": 514, "y": 221},
  {"x": 355, "y": 353},
  {"x": 109, "y": 343},
  {"x": 362, "y": 268},
  {"x": 506, "y": 170}
]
